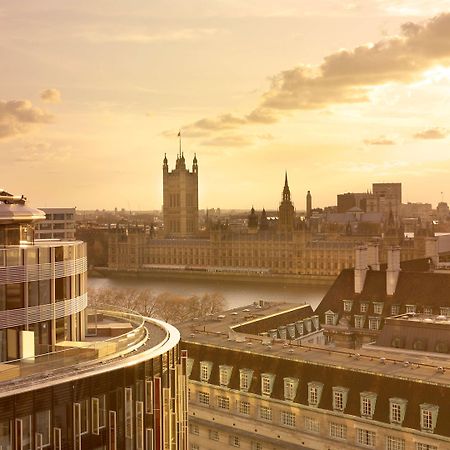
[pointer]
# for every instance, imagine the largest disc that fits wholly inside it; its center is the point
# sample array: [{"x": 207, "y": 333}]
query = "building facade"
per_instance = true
[{"x": 283, "y": 388}]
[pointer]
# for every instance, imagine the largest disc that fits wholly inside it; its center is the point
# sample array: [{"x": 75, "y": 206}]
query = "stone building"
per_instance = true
[{"x": 180, "y": 198}]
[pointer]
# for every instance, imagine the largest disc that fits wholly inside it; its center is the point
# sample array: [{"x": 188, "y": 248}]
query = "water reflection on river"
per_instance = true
[{"x": 235, "y": 293}]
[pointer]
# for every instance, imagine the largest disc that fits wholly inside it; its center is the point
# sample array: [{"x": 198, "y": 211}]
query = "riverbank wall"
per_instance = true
[{"x": 213, "y": 276}]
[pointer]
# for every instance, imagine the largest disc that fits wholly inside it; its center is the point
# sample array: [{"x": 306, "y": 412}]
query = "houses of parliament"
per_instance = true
[{"x": 286, "y": 245}]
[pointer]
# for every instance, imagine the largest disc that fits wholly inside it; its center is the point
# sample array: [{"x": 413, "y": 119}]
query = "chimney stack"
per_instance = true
[
  {"x": 360, "y": 268},
  {"x": 373, "y": 259},
  {"x": 393, "y": 269}
]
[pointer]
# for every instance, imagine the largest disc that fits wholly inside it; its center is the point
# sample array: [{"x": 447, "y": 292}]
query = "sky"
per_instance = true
[{"x": 340, "y": 93}]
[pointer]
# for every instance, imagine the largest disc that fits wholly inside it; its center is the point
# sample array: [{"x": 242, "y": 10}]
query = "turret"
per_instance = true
[
  {"x": 308, "y": 205},
  {"x": 165, "y": 164},
  {"x": 195, "y": 164}
]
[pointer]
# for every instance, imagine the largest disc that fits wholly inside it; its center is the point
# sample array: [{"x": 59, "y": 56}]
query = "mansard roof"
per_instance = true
[{"x": 413, "y": 288}]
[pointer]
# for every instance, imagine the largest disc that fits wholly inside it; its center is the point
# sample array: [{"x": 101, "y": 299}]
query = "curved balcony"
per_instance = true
[{"x": 142, "y": 335}]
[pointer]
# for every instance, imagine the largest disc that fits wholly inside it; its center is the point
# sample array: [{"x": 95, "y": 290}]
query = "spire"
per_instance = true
[
  {"x": 286, "y": 191},
  {"x": 179, "y": 135}
]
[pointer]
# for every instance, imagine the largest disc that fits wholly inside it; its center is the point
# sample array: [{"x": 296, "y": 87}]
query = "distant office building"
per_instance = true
[
  {"x": 59, "y": 223},
  {"x": 180, "y": 198},
  {"x": 72, "y": 377},
  {"x": 350, "y": 200}
]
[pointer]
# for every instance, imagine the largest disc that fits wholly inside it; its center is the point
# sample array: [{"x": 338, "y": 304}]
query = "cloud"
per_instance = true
[
  {"x": 432, "y": 133},
  {"x": 19, "y": 117},
  {"x": 145, "y": 37},
  {"x": 381, "y": 140},
  {"x": 227, "y": 141},
  {"x": 348, "y": 76},
  {"x": 51, "y": 95}
]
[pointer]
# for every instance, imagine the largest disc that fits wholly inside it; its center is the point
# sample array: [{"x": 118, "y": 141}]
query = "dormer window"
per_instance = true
[
  {"x": 245, "y": 379},
  {"x": 339, "y": 398},
  {"x": 348, "y": 304},
  {"x": 205, "y": 370},
  {"x": 225, "y": 375},
  {"x": 359, "y": 321},
  {"x": 314, "y": 393},
  {"x": 428, "y": 417},
  {"x": 374, "y": 323},
  {"x": 410, "y": 309},
  {"x": 428, "y": 310},
  {"x": 331, "y": 318},
  {"x": 290, "y": 388},
  {"x": 444, "y": 311},
  {"x": 363, "y": 307},
  {"x": 368, "y": 402},
  {"x": 395, "y": 310},
  {"x": 378, "y": 307},
  {"x": 397, "y": 409},
  {"x": 267, "y": 380},
  {"x": 307, "y": 325}
]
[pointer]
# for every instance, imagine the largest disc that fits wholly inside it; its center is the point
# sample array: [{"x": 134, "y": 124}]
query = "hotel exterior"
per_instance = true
[{"x": 73, "y": 377}]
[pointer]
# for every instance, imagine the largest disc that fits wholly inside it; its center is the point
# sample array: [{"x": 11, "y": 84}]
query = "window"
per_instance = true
[
  {"x": 374, "y": 323},
  {"x": 128, "y": 412},
  {"x": 359, "y": 321},
  {"x": 338, "y": 430},
  {"x": 365, "y": 438},
  {"x": 267, "y": 380},
  {"x": 397, "y": 408},
  {"x": 194, "y": 429},
  {"x": 203, "y": 398},
  {"x": 428, "y": 417},
  {"x": 444, "y": 311},
  {"x": 245, "y": 379},
  {"x": 223, "y": 402},
  {"x": 265, "y": 413},
  {"x": 235, "y": 441},
  {"x": 348, "y": 305},
  {"x": 311, "y": 425},
  {"x": 288, "y": 418},
  {"x": 290, "y": 388},
  {"x": 395, "y": 443},
  {"x": 43, "y": 427},
  {"x": 395, "y": 310},
  {"x": 331, "y": 318},
  {"x": 195, "y": 447},
  {"x": 368, "y": 401},
  {"x": 422, "y": 446},
  {"x": 213, "y": 435},
  {"x": 189, "y": 365},
  {"x": 314, "y": 393},
  {"x": 339, "y": 398},
  {"x": 410, "y": 308},
  {"x": 257, "y": 445},
  {"x": 244, "y": 407},
  {"x": 224, "y": 375},
  {"x": 363, "y": 307},
  {"x": 205, "y": 370},
  {"x": 378, "y": 307},
  {"x": 428, "y": 310}
]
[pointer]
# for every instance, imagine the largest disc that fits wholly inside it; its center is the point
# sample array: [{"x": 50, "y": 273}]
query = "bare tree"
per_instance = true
[{"x": 167, "y": 306}]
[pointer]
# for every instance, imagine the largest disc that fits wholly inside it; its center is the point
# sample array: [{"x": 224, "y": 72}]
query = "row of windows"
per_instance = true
[
  {"x": 395, "y": 309},
  {"x": 397, "y": 406},
  {"x": 336, "y": 431}
]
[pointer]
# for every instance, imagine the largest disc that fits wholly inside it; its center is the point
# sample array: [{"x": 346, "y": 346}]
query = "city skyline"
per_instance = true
[{"x": 252, "y": 88}]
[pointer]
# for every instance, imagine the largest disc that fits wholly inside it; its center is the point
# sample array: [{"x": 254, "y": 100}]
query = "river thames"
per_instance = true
[{"x": 235, "y": 293}]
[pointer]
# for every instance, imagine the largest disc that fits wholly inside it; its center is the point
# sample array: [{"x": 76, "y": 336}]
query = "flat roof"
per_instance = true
[{"x": 394, "y": 363}]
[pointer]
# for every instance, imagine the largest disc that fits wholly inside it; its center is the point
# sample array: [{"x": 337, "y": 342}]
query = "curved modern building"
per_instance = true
[{"x": 72, "y": 377}]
